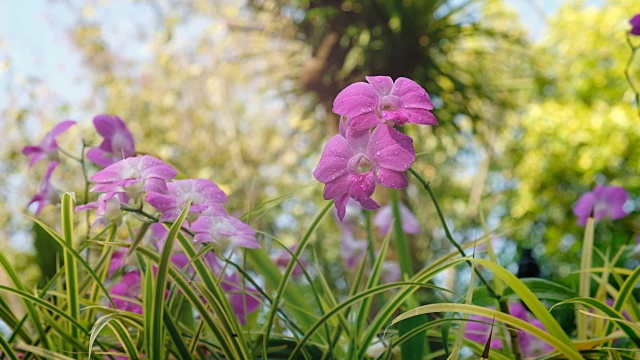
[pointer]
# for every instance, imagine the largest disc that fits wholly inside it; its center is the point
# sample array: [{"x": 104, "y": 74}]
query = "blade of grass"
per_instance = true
[
  {"x": 176, "y": 337},
  {"x": 625, "y": 294},
  {"x": 585, "y": 275},
  {"x": 6, "y": 349},
  {"x": 457, "y": 345},
  {"x": 124, "y": 337},
  {"x": 559, "y": 344},
  {"x": 374, "y": 279},
  {"x": 611, "y": 312},
  {"x": 348, "y": 302},
  {"x": 529, "y": 298},
  {"x": 77, "y": 258},
  {"x": 383, "y": 317},
  {"x": 155, "y": 350},
  {"x": 217, "y": 299},
  {"x": 259, "y": 259},
  {"x": 71, "y": 268},
  {"x": 287, "y": 275},
  {"x": 101, "y": 271},
  {"x": 31, "y": 311},
  {"x": 414, "y": 348},
  {"x": 219, "y": 330}
]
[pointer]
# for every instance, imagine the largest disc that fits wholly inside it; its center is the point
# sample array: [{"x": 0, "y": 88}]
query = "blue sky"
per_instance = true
[{"x": 32, "y": 36}]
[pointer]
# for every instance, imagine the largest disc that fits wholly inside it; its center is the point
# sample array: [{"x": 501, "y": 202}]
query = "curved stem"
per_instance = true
[
  {"x": 425, "y": 185},
  {"x": 627, "y": 73},
  {"x": 69, "y": 155},
  {"x": 85, "y": 200},
  {"x": 145, "y": 214}
]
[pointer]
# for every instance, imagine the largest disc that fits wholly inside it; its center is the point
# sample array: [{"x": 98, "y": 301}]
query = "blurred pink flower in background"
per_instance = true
[
  {"x": 531, "y": 346},
  {"x": 47, "y": 194},
  {"x": 283, "y": 257},
  {"x": 126, "y": 291},
  {"x": 384, "y": 218},
  {"x": 118, "y": 142},
  {"x": 602, "y": 202},
  {"x": 635, "y": 25},
  {"x": 48, "y": 147}
]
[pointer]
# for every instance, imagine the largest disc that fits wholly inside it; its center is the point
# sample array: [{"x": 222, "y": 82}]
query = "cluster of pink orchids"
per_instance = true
[
  {"x": 368, "y": 149},
  {"x": 129, "y": 182}
]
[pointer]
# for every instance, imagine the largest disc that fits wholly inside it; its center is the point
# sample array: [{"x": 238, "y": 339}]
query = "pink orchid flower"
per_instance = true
[
  {"x": 134, "y": 176},
  {"x": 117, "y": 144},
  {"x": 202, "y": 193},
  {"x": 352, "y": 163},
  {"x": 47, "y": 194},
  {"x": 107, "y": 208},
  {"x": 381, "y": 99},
  {"x": 48, "y": 147},
  {"x": 224, "y": 230}
]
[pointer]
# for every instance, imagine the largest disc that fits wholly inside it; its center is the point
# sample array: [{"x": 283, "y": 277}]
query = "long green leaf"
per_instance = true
[
  {"x": 287, "y": 275},
  {"x": 564, "y": 347},
  {"x": 585, "y": 275},
  {"x": 374, "y": 279},
  {"x": 611, "y": 312},
  {"x": 625, "y": 294},
  {"x": 260, "y": 260},
  {"x": 351, "y": 300},
  {"x": 44, "y": 304},
  {"x": 124, "y": 336},
  {"x": 543, "y": 289},
  {"x": 76, "y": 256},
  {"x": 71, "y": 269},
  {"x": 6, "y": 349},
  {"x": 457, "y": 344},
  {"x": 176, "y": 338},
  {"x": 532, "y": 302},
  {"x": 384, "y": 315},
  {"x": 156, "y": 337},
  {"x": 217, "y": 299},
  {"x": 213, "y": 322},
  {"x": 31, "y": 311}
]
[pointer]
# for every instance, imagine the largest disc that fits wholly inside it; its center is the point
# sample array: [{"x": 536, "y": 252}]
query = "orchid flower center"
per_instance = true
[
  {"x": 360, "y": 164},
  {"x": 390, "y": 102}
]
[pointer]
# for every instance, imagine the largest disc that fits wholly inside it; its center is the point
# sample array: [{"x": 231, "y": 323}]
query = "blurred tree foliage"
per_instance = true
[
  {"x": 240, "y": 92},
  {"x": 580, "y": 130}
]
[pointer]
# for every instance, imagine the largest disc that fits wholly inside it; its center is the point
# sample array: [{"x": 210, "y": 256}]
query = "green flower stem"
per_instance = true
[
  {"x": 69, "y": 155},
  {"x": 449, "y": 237},
  {"x": 145, "y": 214},
  {"x": 85, "y": 200},
  {"x": 370, "y": 249},
  {"x": 628, "y": 73}
]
